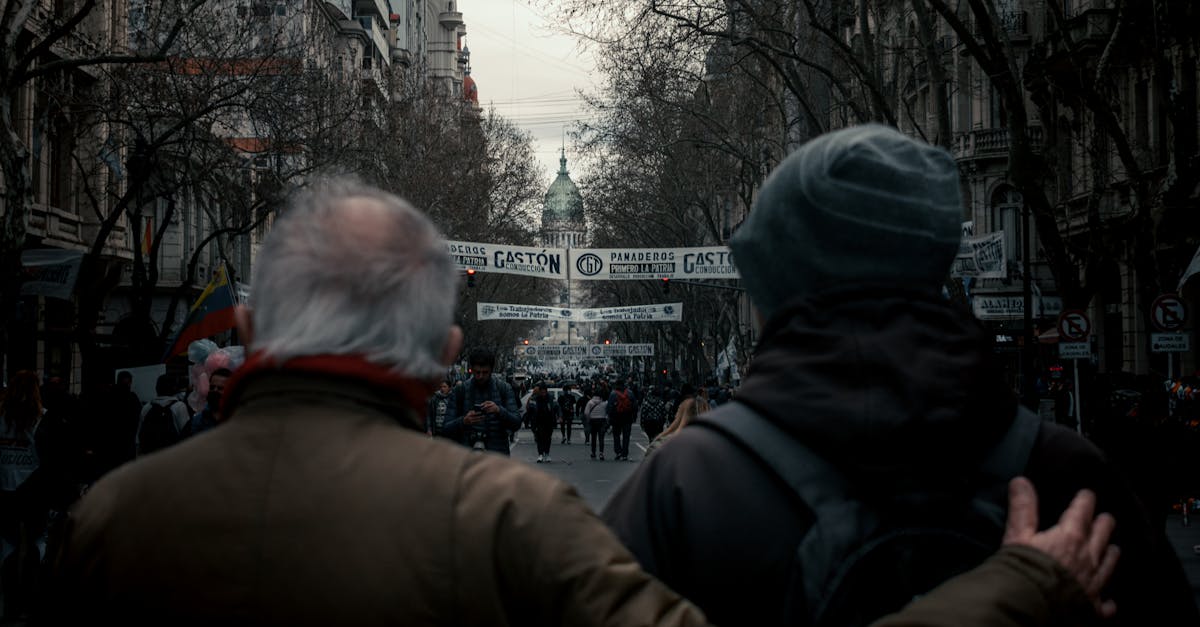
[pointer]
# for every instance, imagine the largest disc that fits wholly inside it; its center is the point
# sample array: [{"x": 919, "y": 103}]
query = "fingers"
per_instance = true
[
  {"x": 1102, "y": 530},
  {"x": 1103, "y": 572},
  {"x": 1022, "y": 510},
  {"x": 1076, "y": 522}
]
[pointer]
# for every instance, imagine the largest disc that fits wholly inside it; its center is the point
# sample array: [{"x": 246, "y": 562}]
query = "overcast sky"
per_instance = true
[{"x": 528, "y": 72}]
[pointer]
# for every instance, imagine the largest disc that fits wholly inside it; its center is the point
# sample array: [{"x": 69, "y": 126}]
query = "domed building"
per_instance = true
[
  {"x": 564, "y": 226},
  {"x": 563, "y": 223}
]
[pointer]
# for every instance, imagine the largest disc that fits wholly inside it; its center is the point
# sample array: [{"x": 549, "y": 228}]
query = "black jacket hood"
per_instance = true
[{"x": 881, "y": 382}]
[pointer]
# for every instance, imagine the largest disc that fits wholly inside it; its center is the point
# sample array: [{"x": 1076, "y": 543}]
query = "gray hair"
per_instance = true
[{"x": 351, "y": 270}]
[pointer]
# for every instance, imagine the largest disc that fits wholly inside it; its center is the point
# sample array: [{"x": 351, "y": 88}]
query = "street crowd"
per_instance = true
[{"x": 873, "y": 468}]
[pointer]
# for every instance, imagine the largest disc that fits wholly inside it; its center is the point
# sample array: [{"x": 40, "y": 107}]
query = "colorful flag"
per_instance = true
[
  {"x": 212, "y": 313},
  {"x": 148, "y": 237}
]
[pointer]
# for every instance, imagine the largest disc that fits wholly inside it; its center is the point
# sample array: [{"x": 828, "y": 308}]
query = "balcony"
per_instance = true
[
  {"x": 378, "y": 37},
  {"x": 373, "y": 8},
  {"x": 1015, "y": 23},
  {"x": 450, "y": 20},
  {"x": 1092, "y": 27},
  {"x": 990, "y": 142}
]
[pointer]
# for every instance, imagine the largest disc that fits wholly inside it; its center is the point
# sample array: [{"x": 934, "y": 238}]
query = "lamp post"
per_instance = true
[{"x": 1028, "y": 380}]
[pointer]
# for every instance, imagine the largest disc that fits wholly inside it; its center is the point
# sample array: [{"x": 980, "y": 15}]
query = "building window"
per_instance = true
[{"x": 1005, "y": 216}]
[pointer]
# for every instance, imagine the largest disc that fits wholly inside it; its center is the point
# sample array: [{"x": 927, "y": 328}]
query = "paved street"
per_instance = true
[
  {"x": 594, "y": 479},
  {"x": 1183, "y": 539}
]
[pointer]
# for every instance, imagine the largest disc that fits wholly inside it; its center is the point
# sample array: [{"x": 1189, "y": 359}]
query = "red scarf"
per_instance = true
[{"x": 414, "y": 391}]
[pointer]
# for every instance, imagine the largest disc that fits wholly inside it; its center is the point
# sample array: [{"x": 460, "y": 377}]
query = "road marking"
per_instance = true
[{"x": 639, "y": 445}]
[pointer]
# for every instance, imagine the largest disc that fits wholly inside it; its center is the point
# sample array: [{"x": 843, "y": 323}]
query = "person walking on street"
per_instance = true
[
  {"x": 163, "y": 420},
  {"x": 652, "y": 413},
  {"x": 581, "y": 411},
  {"x": 485, "y": 408},
  {"x": 566, "y": 406},
  {"x": 689, "y": 409},
  {"x": 23, "y": 508},
  {"x": 870, "y": 397},
  {"x": 439, "y": 408},
  {"x": 596, "y": 414},
  {"x": 542, "y": 414},
  {"x": 211, "y": 415},
  {"x": 622, "y": 408}
]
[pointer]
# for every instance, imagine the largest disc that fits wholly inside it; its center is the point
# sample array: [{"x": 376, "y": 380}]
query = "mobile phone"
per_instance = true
[{"x": 478, "y": 406}]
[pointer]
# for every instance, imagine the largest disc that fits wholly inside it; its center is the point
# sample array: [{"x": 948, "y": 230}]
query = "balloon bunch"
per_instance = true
[{"x": 207, "y": 358}]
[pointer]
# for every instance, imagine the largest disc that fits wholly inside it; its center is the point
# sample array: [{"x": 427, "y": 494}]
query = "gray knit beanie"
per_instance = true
[{"x": 863, "y": 205}]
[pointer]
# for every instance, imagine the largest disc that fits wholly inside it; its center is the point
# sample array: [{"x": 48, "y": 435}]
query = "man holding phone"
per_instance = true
[{"x": 484, "y": 408}]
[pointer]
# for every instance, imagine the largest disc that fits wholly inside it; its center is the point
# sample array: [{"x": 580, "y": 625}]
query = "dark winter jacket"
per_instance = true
[
  {"x": 495, "y": 428},
  {"x": 892, "y": 389},
  {"x": 438, "y": 412},
  {"x": 542, "y": 413}
]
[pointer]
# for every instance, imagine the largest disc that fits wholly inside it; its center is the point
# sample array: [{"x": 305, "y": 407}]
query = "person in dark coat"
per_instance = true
[
  {"x": 542, "y": 414},
  {"x": 864, "y": 362},
  {"x": 484, "y": 408}
]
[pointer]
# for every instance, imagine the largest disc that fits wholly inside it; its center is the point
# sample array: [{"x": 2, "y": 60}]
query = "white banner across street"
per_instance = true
[
  {"x": 607, "y": 264},
  {"x": 663, "y": 312},
  {"x": 596, "y": 264},
  {"x": 505, "y": 259},
  {"x": 981, "y": 257},
  {"x": 586, "y": 351}
]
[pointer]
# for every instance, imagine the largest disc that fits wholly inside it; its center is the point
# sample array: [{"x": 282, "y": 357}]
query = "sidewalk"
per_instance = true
[{"x": 1183, "y": 539}]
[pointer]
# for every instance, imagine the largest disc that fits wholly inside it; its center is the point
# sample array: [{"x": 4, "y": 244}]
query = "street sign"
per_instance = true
[
  {"x": 1074, "y": 326},
  {"x": 1170, "y": 342},
  {"x": 1168, "y": 313},
  {"x": 1075, "y": 350}
]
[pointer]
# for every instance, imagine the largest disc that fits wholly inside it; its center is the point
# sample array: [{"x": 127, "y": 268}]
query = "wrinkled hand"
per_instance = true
[{"x": 1079, "y": 542}]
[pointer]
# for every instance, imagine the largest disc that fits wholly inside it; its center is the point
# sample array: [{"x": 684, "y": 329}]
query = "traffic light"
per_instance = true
[
  {"x": 527, "y": 342},
  {"x": 607, "y": 342},
  {"x": 470, "y": 277},
  {"x": 666, "y": 285}
]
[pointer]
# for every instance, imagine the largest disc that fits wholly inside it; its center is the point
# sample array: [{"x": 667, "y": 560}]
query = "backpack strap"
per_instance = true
[
  {"x": 815, "y": 481},
  {"x": 841, "y": 521},
  {"x": 1006, "y": 460}
]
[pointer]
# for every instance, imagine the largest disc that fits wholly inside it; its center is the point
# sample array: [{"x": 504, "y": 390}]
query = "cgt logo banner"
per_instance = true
[
  {"x": 588, "y": 351},
  {"x": 615, "y": 264},
  {"x": 663, "y": 312},
  {"x": 547, "y": 263}
]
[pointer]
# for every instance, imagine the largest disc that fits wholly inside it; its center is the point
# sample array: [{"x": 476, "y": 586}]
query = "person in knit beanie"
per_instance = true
[
  {"x": 872, "y": 406},
  {"x": 864, "y": 205}
]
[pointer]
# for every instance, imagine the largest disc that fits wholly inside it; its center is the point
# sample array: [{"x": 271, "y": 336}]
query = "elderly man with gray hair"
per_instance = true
[{"x": 322, "y": 501}]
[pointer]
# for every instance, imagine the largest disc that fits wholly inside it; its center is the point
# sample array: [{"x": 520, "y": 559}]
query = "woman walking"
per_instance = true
[{"x": 596, "y": 413}]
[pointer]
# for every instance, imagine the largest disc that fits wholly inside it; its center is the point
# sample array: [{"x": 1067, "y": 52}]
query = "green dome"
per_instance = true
[{"x": 564, "y": 203}]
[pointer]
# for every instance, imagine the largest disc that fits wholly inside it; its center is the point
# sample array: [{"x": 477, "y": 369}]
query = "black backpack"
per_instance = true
[
  {"x": 158, "y": 429},
  {"x": 868, "y": 554}
]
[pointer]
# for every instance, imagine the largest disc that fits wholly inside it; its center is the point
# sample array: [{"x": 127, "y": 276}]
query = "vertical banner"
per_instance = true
[{"x": 981, "y": 257}]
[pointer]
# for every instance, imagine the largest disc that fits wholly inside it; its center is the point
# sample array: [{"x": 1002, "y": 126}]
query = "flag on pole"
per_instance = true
[
  {"x": 212, "y": 313},
  {"x": 148, "y": 237}
]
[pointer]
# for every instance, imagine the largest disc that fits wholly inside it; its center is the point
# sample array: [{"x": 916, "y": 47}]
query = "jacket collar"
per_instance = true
[{"x": 351, "y": 376}]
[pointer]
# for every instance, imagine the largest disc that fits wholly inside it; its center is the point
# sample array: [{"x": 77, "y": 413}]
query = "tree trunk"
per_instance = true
[{"x": 18, "y": 204}]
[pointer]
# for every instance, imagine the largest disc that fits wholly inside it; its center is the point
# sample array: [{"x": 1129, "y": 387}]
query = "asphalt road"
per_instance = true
[{"x": 594, "y": 479}]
